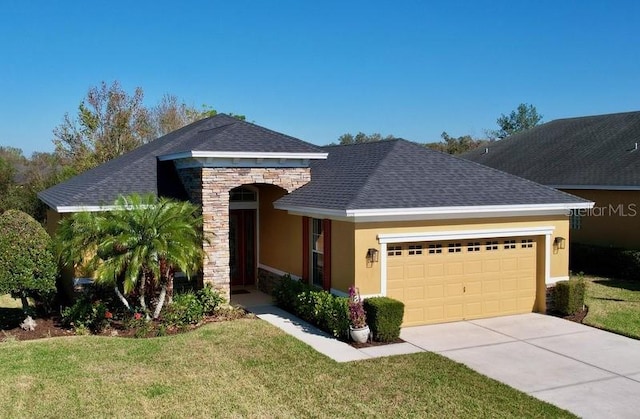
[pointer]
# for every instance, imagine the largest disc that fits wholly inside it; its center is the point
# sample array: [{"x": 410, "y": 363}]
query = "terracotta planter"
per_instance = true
[{"x": 360, "y": 334}]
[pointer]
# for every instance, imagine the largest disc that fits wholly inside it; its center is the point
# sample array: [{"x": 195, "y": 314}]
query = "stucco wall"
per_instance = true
[
  {"x": 614, "y": 221},
  {"x": 280, "y": 234}
]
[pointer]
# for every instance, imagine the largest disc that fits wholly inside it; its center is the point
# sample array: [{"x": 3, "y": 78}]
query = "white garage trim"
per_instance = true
[{"x": 385, "y": 238}]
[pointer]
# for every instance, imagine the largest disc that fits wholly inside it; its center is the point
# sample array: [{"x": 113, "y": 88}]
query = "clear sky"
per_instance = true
[{"x": 318, "y": 69}]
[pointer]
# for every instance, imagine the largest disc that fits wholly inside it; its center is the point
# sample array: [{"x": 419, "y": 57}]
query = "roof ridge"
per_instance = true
[
  {"x": 592, "y": 116},
  {"x": 375, "y": 172}
]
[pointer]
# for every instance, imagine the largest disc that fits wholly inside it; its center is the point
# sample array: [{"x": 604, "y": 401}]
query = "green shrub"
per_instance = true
[
  {"x": 184, "y": 310},
  {"x": 210, "y": 299},
  {"x": 568, "y": 296},
  {"x": 325, "y": 310},
  {"x": 384, "y": 316},
  {"x": 609, "y": 262},
  {"x": 86, "y": 314},
  {"x": 27, "y": 266}
]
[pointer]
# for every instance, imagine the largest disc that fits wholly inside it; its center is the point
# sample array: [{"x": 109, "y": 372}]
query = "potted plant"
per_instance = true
[{"x": 358, "y": 328}]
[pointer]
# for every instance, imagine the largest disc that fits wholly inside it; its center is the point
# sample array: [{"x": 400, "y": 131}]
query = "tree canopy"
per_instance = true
[
  {"x": 137, "y": 246},
  {"x": 361, "y": 137},
  {"x": 459, "y": 145},
  {"x": 521, "y": 119}
]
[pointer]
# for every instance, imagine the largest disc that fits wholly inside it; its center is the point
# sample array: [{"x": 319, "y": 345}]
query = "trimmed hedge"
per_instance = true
[
  {"x": 568, "y": 296},
  {"x": 609, "y": 262},
  {"x": 384, "y": 316},
  {"x": 325, "y": 310}
]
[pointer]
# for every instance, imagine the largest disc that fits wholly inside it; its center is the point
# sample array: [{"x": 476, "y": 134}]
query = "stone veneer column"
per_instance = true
[{"x": 216, "y": 184}]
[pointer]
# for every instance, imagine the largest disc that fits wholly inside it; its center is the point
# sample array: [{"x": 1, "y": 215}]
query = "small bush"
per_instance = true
[
  {"x": 186, "y": 309},
  {"x": 210, "y": 299},
  {"x": 384, "y": 316},
  {"x": 568, "y": 296},
  {"x": 27, "y": 265},
  {"x": 86, "y": 314},
  {"x": 325, "y": 310}
]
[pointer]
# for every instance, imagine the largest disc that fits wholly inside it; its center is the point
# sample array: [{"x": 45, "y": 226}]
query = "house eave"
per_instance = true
[
  {"x": 243, "y": 155},
  {"x": 436, "y": 213},
  {"x": 598, "y": 187}
]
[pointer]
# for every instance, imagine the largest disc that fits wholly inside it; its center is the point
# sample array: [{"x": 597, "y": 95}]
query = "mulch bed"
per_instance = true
[
  {"x": 52, "y": 327},
  {"x": 369, "y": 344},
  {"x": 579, "y": 316}
]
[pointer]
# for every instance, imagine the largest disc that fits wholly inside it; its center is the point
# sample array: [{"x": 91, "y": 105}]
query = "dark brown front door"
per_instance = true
[{"x": 242, "y": 246}]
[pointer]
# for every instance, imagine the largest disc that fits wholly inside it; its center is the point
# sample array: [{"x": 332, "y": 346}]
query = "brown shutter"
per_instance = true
[
  {"x": 305, "y": 249},
  {"x": 326, "y": 230}
]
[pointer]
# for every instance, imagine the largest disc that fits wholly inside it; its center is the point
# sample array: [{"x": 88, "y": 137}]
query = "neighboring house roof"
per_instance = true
[
  {"x": 398, "y": 177},
  {"x": 591, "y": 152},
  {"x": 136, "y": 171}
]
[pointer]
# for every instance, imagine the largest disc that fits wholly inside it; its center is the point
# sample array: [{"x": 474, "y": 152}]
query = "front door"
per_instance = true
[{"x": 242, "y": 246}]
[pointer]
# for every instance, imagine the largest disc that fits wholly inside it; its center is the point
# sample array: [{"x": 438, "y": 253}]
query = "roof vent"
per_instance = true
[
  {"x": 635, "y": 147},
  {"x": 486, "y": 150}
]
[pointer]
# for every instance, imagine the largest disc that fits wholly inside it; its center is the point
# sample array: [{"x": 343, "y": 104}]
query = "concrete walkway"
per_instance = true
[{"x": 590, "y": 372}]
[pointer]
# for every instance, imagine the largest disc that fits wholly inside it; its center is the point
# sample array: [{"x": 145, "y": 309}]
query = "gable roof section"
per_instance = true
[
  {"x": 136, "y": 171},
  {"x": 596, "y": 152},
  {"x": 396, "y": 177}
]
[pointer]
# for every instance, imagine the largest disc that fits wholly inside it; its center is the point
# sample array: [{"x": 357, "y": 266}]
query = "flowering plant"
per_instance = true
[
  {"x": 108, "y": 315},
  {"x": 357, "y": 316}
]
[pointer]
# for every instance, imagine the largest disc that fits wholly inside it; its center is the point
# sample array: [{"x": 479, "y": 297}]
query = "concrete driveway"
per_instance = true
[{"x": 590, "y": 372}]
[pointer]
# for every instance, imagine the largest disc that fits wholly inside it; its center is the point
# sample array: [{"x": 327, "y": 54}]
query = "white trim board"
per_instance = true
[
  {"x": 242, "y": 155},
  {"x": 435, "y": 213},
  {"x": 555, "y": 279},
  {"x": 599, "y": 187},
  {"x": 464, "y": 234}
]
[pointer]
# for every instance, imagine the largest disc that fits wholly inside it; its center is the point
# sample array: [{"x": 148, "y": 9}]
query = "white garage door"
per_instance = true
[{"x": 463, "y": 279}]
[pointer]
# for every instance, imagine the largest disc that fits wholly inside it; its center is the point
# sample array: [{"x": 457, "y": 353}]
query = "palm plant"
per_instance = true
[{"x": 137, "y": 246}]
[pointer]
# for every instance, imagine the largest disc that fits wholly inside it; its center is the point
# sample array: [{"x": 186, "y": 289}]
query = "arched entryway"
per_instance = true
[{"x": 243, "y": 233}]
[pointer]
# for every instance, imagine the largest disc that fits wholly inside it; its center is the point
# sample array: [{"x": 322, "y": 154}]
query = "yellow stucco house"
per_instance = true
[
  {"x": 450, "y": 238},
  {"x": 594, "y": 157}
]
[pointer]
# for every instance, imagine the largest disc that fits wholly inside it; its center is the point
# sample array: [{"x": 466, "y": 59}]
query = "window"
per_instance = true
[
  {"x": 435, "y": 249},
  {"x": 455, "y": 247},
  {"x": 575, "y": 221},
  {"x": 473, "y": 247},
  {"x": 527, "y": 243},
  {"x": 509, "y": 244},
  {"x": 394, "y": 251},
  {"x": 317, "y": 252},
  {"x": 415, "y": 249},
  {"x": 242, "y": 194},
  {"x": 492, "y": 245}
]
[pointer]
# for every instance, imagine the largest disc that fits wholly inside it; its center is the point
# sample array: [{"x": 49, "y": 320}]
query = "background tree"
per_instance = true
[
  {"x": 523, "y": 118},
  {"x": 453, "y": 145},
  {"x": 109, "y": 123},
  {"x": 27, "y": 264},
  {"x": 361, "y": 137},
  {"x": 136, "y": 247}
]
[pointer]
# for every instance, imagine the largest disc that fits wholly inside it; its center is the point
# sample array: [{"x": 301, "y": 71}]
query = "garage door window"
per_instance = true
[
  {"x": 415, "y": 249},
  {"x": 492, "y": 245},
  {"x": 435, "y": 249},
  {"x": 455, "y": 247},
  {"x": 394, "y": 251},
  {"x": 527, "y": 243},
  {"x": 509, "y": 244},
  {"x": 473, "y": 247}
]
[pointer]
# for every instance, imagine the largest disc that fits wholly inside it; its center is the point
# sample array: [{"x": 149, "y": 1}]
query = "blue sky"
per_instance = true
[{"x": 318, "y": 69}]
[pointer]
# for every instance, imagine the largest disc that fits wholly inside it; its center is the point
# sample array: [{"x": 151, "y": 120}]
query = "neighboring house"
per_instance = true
[
  {"x": 450, "y": 238},
  {"x": 594, "y": 157}
]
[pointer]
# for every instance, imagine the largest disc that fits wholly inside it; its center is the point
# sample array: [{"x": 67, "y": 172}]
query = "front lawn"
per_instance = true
[
  {"x": 613, "y": 305},
  {"x": 240, "y": 368}
]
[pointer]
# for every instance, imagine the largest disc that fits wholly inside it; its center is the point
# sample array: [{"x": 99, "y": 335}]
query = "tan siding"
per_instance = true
[
  {"x": 280, "y": 233},
  {"x": 342, "y": 255},
  {"x": 614, "y": 220}
]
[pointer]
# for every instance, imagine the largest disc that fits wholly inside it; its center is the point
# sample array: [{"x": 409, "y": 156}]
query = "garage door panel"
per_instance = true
[{"x": 463, "y": 280}]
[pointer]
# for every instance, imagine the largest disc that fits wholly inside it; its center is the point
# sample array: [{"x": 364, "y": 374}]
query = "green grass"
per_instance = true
[
  {"x": 242, "y": 368},
  {"x": 614, "y": 305}
]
